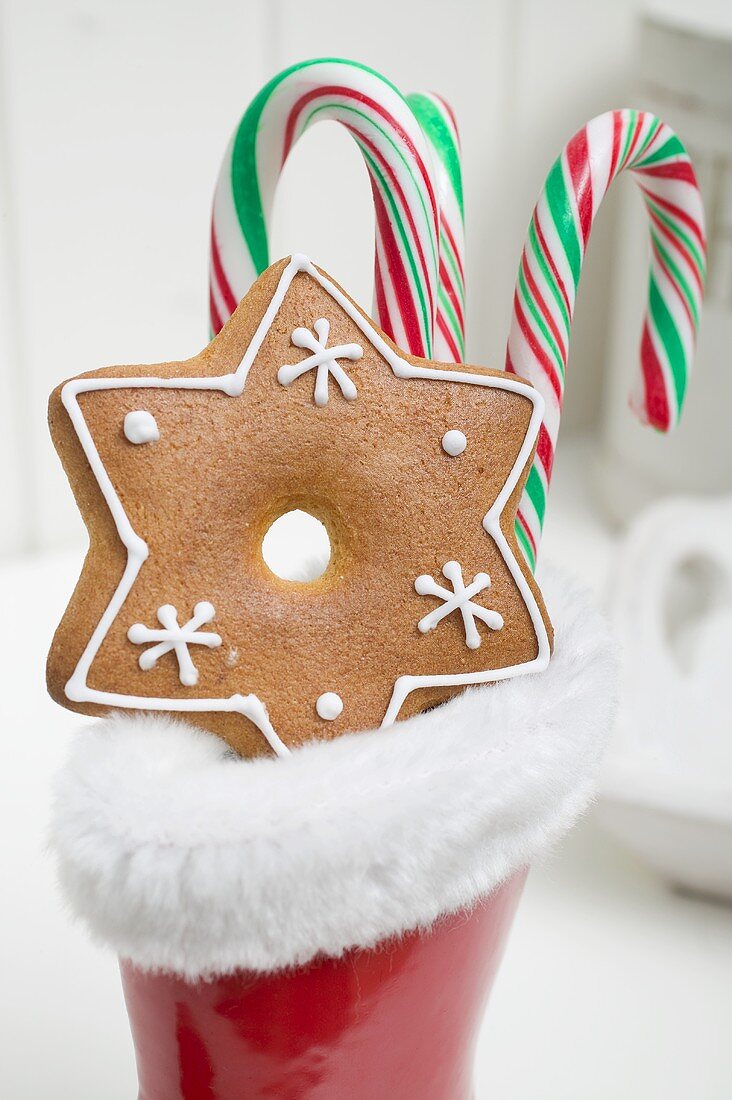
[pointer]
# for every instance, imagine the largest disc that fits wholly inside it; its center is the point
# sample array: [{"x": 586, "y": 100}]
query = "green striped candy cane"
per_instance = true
[{"x": 408, "y": 185}]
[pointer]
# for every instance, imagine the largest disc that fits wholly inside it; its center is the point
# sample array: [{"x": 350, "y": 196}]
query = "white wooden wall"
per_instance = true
[{"x": 113, "y": 120}]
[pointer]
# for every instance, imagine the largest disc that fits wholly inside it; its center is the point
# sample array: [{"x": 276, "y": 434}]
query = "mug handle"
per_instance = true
[{"x": 666, "y": 536}]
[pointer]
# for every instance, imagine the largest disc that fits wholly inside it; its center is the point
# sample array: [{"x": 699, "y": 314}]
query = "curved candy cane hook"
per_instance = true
[
  {"x": 551, "y": 265},
  {"x": 399, "y": 162},
  {"x": 411, "y": 189}
]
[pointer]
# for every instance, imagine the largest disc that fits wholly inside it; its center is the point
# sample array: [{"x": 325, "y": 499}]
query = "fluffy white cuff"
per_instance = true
[{"x": 183, "y": 858}]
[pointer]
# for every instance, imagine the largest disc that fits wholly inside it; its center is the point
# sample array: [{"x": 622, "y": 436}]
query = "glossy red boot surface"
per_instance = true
[{"x": 398, "y": 1021}]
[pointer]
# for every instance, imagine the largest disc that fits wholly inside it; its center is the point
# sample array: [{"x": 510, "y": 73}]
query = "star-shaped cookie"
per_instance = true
[{"x": 179, "y": 470}]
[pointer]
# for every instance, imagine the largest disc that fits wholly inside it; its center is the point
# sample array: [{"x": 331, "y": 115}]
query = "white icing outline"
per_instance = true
[{"x": 250, "y": 706}]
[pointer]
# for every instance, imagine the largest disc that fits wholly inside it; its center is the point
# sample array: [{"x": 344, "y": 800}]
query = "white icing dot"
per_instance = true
[
  {"x": 329, "y": 706},
  {"x": 141, "y": 427},
  {"x": 454, "y": 442}
]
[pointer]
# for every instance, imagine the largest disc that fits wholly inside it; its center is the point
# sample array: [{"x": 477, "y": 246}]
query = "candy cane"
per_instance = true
[
  {"x": 399, "y": 162},
  {"x": 550, "y": 269},
  {"x": 440, "y": 127}
]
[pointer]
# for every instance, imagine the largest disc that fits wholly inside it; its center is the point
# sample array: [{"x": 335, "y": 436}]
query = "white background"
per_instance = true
[{"x": 113, "y": 120}]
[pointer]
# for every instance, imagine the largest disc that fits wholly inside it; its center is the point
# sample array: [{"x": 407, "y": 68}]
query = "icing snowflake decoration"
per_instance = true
[
  {"x": 323, "y": 359},
  {"x": 460, "y": 599},
  {"x": 177, "y": 638}
]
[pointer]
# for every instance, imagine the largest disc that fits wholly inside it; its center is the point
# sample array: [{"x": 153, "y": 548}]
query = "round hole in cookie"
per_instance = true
[{"x": 297, "y": 547}]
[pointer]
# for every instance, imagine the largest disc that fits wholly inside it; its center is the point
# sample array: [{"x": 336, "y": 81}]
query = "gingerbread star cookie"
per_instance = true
[{"x": 179, "y": 470}]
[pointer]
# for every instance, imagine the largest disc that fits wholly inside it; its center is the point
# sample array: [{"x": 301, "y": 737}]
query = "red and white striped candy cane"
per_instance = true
[
  {"x": 400, "y": 164},
  {"x": 550, "y": 269},
  {"x": 440, "y": 128}
]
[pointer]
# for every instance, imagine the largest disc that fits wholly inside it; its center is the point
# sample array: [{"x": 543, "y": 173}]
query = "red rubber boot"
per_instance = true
[
  {"x": 188, "y": 864},
  {"x": 398, "y": 1021}
]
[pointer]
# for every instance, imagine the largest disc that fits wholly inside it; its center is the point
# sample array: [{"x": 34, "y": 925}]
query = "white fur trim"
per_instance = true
[{"x": 183, "y": 858}]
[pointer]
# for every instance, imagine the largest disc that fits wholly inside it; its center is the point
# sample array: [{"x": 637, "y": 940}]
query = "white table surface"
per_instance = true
[{"x": 612, "y": 987}]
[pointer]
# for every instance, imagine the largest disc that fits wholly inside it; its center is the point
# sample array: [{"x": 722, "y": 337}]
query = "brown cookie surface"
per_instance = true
[{"x": 415, "y": 468}]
